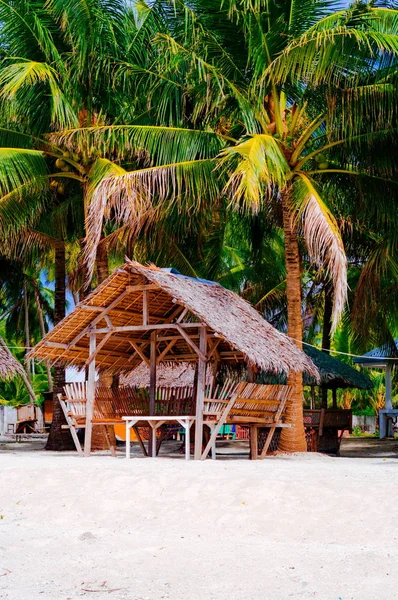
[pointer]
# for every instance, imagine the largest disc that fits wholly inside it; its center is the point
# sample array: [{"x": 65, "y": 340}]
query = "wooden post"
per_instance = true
[
  {"x": 200, "y": 393},
  {"x": 152, "y": 388},
  {"x": 388, "y": 387},
  {"x": 253, "y": 442},
  {"x": 144, "y": 308},
  {"x": 90, "y": 398},
  {"x": 334, "y": 396},
  {"x": 312, "y": 405}
]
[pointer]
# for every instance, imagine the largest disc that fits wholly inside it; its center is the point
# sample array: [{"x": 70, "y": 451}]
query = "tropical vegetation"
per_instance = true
[{"x": 251, "y": 142}]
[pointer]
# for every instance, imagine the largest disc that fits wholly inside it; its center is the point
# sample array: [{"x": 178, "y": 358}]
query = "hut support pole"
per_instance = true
[
  {"x": 200, "y": 393},
  {"x": 90, "y": 397},
  {"x": 388, "y": 388},
  {"x": 152, "y": 390},
  {"x": 334, "y": 396},
  {"x": 312, "y": 405}
]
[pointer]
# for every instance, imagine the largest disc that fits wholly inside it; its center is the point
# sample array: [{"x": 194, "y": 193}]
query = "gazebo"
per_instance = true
[
  {"x": 334, "y": 374},
  {"x": 383, "y": 357},
  {"x": 146, "y": 314}
]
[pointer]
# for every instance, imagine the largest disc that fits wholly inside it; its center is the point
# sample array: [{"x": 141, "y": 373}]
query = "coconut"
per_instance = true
[
  {"x": 320, "y": 158},
  {"x": 59, "y": 163},
  {"x": 323, "y": 165}
]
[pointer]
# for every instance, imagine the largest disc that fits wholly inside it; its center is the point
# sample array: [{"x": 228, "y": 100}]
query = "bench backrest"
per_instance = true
[
  {"x": 261, "y": 401},
  {"x": 115, "y": 403},
  {"x": 336, "y": 418},
  {"x": 251, "y": 400},
  {"x": 75, "y": 398}
]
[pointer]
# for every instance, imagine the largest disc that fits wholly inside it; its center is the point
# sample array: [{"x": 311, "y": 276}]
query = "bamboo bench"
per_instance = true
[
  {"x": 317, "y": 421},
  {"x": 111, "y": 405},
  {"x": 247, "y": 404}
]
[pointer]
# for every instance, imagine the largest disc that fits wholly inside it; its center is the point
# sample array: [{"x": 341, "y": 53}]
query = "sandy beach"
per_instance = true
[{"x": 305, "y": 526}]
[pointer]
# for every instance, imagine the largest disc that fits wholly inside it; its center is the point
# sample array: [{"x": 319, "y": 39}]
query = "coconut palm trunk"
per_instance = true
[
  {"x": 42, "y": 332},
  {"x": 59, "y": 438},
  {"x": 28, "y": 365},
  {"x": 326, "y": 332},
  {"x": 293, "y": 439}
]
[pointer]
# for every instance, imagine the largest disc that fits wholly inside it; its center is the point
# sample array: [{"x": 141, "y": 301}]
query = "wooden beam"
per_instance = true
[
  {"x": 166, "y": 350},
  {"x": 127, "y": 328},
  {"x": 144, "y": 308},
  {"x": 98, "y": 318},
  {"x": 213, "y": 349},
  {"x": 152, "y": 389},
  {"x": 126, "y": 313},
  {"x": 90, "y": 398},
  {"x": 141, "y": 288},
  {"x": 98, "y": 348},
  {"x": 55, "y": 344},
  {"x": 182, "y": 315},
  {"x": 139, "y": 352},
  {"x": 186, "y": 337},
  {"x": 200, "y": 393}
]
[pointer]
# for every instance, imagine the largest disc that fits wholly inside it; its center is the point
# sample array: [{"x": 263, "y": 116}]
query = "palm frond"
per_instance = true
[
  {"x": 23, "y": 186},
  {"x": 97, "y": 207},
  {"x": 162, "y": 145},
  {"x": 253, "y": 166},
  {"x": 322, "y": 238},
  {"x": 19, "y": 78}
]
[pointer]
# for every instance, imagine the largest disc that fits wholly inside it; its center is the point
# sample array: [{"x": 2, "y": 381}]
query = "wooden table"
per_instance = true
[{"x": 155, "y": 422}]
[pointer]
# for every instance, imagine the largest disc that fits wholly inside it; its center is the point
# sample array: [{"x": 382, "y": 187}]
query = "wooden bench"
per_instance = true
[
  {"x": 111, "y": 405},
  {"x": 317, "y": 421},
  {"x": 248, "y": 404}
]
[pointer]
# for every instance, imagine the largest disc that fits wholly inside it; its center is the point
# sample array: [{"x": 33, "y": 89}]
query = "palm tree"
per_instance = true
[
  {"x": 59, "y": 65},
  {"x": 294, "y": 104}
]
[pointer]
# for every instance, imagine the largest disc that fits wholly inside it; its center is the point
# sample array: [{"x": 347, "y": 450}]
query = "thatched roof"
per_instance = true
[
  {"x": 335, "y": 373},
  {"x": 9, "y": 366},
  {"x": 239, "y": 331},
  {"x": 380, "y": 357}
]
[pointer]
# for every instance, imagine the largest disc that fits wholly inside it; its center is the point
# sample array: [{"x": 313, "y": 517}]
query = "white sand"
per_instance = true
[{"x": 146, "y": 529}]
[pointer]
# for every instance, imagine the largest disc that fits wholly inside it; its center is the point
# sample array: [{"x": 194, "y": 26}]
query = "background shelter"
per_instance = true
[
  {"x": 334, "y": 374},
  {"x": 145, "y": 314},
  {"x": 384, "y": 357}
]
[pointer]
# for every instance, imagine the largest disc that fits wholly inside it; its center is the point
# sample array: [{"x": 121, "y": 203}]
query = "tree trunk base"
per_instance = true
[
  {"x": 293, "y": 438},
  {"x": 59, "y": 439}
]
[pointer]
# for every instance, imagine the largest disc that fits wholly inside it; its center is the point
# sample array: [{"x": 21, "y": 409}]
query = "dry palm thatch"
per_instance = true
[
  {"x": 9, "y": 366},
  {"x": 177, "y": 304},
  {"x": 334, "y": 373},
  {"x": 167, "y": 375}
]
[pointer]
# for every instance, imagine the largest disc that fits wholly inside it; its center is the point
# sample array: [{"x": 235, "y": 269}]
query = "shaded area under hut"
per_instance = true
[{"x": 145, "y": 314}]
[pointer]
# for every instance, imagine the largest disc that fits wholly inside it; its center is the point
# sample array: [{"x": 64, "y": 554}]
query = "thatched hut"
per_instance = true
[{"x": 145, "y": 314}]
